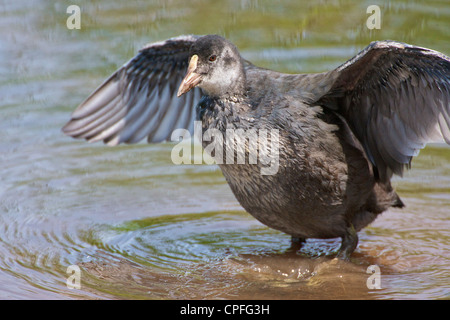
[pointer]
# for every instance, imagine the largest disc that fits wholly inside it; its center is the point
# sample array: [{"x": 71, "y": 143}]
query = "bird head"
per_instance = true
[{"x": 215, "y": 66}]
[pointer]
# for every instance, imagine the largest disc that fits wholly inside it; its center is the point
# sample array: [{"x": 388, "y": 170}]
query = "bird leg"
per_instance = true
[
  {"x": 349, "y": 243},
  {"x": 295, "y": 240},
  {"x": 296, "y": 243}
]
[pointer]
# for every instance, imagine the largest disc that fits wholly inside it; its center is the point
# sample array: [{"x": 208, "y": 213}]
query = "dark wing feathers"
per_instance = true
[
  {"x": 395, "y": 97},
  {"x": 139, "y": 100}
]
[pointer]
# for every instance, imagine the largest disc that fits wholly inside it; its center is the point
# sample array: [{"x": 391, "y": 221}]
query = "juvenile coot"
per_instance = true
[{"x": 341, "y": 135}]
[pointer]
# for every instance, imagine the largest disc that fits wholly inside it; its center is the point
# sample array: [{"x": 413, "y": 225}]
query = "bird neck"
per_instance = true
[{"x": 237, "y": 89}]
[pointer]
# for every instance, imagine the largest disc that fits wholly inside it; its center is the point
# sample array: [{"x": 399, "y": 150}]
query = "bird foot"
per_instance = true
[{"x": 349, "y": 243}]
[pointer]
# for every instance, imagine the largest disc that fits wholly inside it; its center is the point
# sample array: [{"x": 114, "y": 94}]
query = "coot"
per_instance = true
[{"x": 339, "y": 136}]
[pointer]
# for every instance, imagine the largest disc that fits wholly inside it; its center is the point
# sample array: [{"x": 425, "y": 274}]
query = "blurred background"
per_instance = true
[{"x": 139, "y": 226}]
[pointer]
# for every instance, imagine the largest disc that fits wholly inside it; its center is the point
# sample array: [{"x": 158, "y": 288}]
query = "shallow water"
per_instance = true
[{"x": 139, "y": 226}]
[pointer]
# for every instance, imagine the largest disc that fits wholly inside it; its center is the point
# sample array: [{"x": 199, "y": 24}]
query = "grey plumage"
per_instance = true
[
  {"x": 342, "y": 134},
  {"x": 399, "y": 90}
]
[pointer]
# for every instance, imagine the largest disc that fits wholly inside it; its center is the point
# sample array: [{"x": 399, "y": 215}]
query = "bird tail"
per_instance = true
[{"x": 397, "y": 203}]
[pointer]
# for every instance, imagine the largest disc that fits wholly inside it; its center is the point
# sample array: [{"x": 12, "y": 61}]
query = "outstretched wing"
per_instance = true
[
  {"x": 396, "y": 99},
  {"x": 139, "y": 100}
]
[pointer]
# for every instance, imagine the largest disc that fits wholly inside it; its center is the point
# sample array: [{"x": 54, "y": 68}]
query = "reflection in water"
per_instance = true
[{"x": 139, "y": 226}]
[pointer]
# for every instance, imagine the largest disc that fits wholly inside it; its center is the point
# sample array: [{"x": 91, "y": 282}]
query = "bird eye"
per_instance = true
[{"x": 212, "y": 58}]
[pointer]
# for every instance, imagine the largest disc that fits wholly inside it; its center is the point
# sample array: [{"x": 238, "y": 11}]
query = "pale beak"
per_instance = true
[{"x": 191, "y": 79}]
